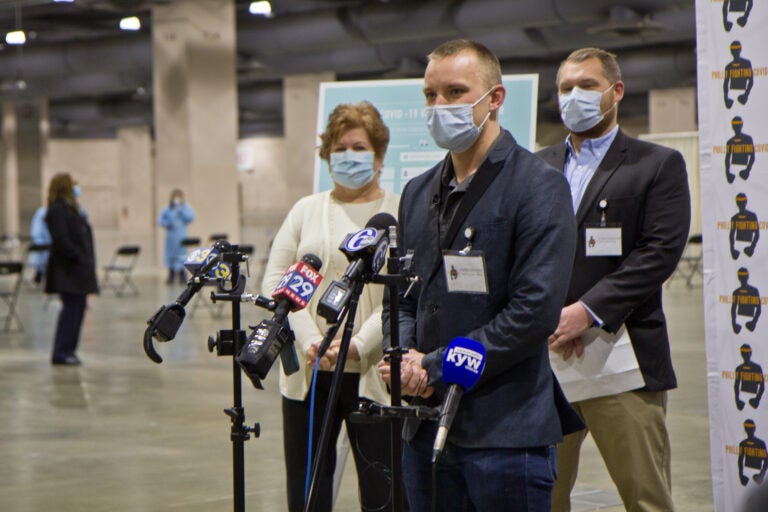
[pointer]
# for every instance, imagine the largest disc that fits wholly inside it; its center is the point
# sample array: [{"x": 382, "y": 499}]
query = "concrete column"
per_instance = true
[
  {"x": 300, "y": 106},
  {"x": 283, "y": 167},
  {"x": 135, "y": 206},
  {"x": 9, "y": 172},
  {"x": 672, "y": 110},
  {"x": 195, "y": 111},
  {"x": 32, "y": 143},
  {"x": 136, "y": 179}
]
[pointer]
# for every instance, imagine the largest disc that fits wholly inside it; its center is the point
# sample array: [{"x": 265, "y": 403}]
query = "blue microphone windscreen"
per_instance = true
[{"x": 463, "y": 362}]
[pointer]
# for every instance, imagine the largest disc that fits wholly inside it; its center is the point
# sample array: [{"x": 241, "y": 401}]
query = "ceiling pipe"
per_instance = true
[{"x": 384, "y": 39}]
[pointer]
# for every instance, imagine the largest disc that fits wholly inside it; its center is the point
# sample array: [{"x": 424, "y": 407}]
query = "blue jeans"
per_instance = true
[{"x": 477, "y": 479}]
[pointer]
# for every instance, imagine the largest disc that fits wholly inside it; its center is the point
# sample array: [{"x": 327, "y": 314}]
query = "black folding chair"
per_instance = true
[
  {"x": 122, "y": 264},
  {"x": 11, "y": 273}
]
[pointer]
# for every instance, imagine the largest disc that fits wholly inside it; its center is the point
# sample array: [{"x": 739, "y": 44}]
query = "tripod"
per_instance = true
[{"x": 165, "y": 323}]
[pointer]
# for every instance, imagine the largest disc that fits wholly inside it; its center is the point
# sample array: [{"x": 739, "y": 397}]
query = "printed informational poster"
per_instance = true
[
  {"x": 733, "y": 140},
  {"x": 401, "y": 104}
]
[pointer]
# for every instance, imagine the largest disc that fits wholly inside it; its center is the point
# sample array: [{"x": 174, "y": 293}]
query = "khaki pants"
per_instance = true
[{"x": 630, "y": 432}]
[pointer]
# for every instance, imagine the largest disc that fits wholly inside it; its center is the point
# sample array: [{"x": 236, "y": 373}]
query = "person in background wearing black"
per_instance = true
[{"x": 71, "y": 270}]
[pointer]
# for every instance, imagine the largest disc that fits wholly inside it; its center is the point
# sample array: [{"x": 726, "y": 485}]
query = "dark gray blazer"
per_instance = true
[
  {"x": 646, "y": 188},
  {"x": 520, "y": 210}
]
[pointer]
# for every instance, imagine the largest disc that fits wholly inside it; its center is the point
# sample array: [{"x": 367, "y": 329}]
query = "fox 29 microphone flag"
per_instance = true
[
  {"x": 463, "y": 363},
  {"x": 299, "y": 282}
]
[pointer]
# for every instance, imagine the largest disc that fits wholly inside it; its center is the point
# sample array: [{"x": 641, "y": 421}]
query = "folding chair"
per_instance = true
[
  {"x": 122, "y": 264},
  {"x": 690, "y": 264},
  {"x": 11, "y": 273}
]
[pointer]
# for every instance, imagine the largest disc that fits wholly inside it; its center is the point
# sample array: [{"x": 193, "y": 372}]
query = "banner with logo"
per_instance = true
[
  {"x": 401, "y": 104},
  {"x": 733, "y": 108}
]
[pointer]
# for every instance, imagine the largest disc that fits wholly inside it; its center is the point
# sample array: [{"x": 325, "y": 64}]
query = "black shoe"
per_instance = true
[{"x": 72, "y": 360}]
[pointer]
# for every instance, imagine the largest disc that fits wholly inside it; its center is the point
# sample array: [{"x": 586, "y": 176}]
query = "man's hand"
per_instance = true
[
  {"x": 574, "y": 321},
  {"x": 385, "y": 370},
  {"x": 413, "y": 378}
]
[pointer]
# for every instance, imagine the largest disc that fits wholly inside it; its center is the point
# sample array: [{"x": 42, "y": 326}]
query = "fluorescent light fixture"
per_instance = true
[
  {"x": 16, "y": 37},
  {"x": 63, "y": 1},
  {"x": 130, "y": 23},
  {"x": 263, "y": 8}
]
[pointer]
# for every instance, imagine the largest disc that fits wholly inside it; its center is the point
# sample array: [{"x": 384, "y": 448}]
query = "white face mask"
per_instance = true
[
  {"x": 453, "y": 126},
  {"x": 580, "y": 109}
]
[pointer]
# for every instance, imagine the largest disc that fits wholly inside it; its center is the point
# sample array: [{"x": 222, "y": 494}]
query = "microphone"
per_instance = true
[
  {"x": 204, "y": 256},
  {"x": 368, "y": 245},
  {"x": 165, "y": 323},
  {"x": 297, "y": 286},
  {"x": 463, "y": 363},
  {"x": 273, "y": 337},
  {"x": 366, "y": 251}
]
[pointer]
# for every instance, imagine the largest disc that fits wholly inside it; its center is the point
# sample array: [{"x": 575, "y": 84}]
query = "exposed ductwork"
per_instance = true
[{"x": 655, "y": 41}]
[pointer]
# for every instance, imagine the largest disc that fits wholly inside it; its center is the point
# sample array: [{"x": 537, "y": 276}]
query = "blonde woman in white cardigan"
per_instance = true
[{"x": 353, "y": 144}]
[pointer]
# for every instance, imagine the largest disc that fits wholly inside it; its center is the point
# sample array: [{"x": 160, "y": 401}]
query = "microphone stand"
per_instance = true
[
  {"x": 395, "y": 354},
  {"x": 228, "y": 342},
  {"x": 333, "y": 396}
]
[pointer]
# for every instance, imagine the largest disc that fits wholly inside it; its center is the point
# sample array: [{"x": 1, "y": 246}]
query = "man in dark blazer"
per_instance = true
[
  {"x": 638, "y": 191},
  {"x": 505, "y": 218}
]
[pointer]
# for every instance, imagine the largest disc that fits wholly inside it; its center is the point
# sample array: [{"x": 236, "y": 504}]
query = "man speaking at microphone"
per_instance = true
[{"x": 493, "y": 242}]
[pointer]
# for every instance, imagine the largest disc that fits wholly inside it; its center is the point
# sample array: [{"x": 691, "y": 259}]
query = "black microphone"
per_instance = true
[
  {"x": 366, "y": 251},
  {"x": 274, "y": 337},
  {"x": 463, "y": 363},
  {"x": 165, "y": 323}
]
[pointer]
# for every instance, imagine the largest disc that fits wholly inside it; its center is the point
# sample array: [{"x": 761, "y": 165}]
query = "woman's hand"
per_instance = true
[{"x": 328, "y": 361}]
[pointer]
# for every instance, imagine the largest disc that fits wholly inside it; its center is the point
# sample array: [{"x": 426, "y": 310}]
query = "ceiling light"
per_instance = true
[
  {"x": 63, "y": 1},
  {"x": 130, "y": 23},
  {"x": 16, "y": 37},
  {"x": 263, "y": 8}
]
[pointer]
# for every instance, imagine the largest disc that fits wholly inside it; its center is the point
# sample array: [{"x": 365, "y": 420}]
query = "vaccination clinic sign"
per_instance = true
[{"x": 401, "y": 104}]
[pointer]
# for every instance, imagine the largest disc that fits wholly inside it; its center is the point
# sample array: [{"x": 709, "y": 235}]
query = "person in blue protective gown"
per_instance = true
[
  {"x": 38, "y": 232},
  {"x": 174, "y": 218}
]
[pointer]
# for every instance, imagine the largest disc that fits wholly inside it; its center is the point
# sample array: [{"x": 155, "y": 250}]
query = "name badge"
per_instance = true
[
  {"x": 465, "y": 272},
  {"x": 603, "y": 241}
]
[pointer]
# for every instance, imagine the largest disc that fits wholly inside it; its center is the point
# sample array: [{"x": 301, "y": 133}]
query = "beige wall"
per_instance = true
[{"x": 95, "y": 165}]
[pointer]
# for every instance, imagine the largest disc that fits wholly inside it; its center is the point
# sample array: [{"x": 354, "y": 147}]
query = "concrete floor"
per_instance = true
[{"x": 120, "y": 433}]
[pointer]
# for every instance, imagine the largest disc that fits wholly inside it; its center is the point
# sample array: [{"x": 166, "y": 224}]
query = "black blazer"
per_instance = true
[
  {"x": 520, "y": 211},
  {"x": 646, "y": 189},
  {"x": 71, "y": 264}
]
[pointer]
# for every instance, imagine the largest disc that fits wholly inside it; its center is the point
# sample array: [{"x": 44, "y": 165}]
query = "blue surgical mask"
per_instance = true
[
  {"x": 352, "y": 169},
  {"x": 76, "y": 191},
  {"x": 453, "y": 126},
  {"x": 580, "y": 109}
]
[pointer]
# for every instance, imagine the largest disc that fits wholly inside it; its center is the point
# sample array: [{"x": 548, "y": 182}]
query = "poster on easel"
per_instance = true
[{"x": 401, "y": 103}]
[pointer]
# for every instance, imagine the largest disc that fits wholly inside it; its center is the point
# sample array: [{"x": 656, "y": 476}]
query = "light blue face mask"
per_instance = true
[
  {"x": 76, "y": 191},
  {"x": 352, "y": 169},
  {"x": 580, "y": 109},
  {"x": 453, "y": 126}
]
